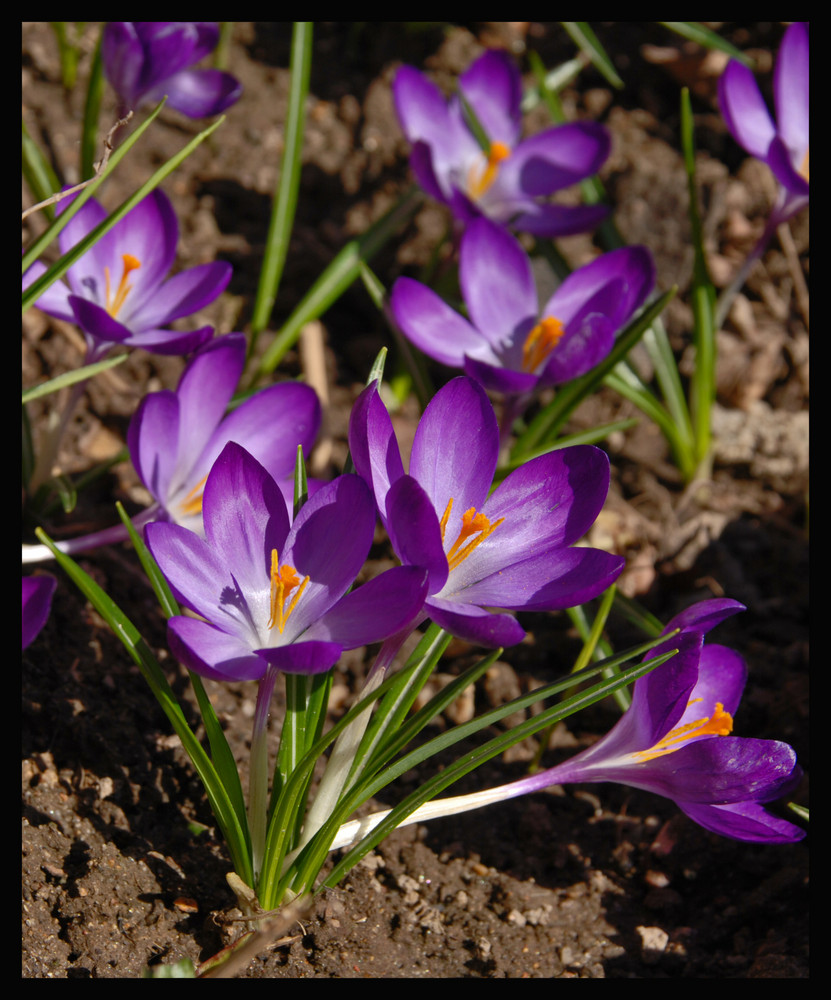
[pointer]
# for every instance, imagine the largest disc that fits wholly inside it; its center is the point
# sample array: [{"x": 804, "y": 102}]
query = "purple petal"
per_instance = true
[
  {"x": 152, "y": 439},
  {"x": 245, "y": 518},
  {"x": 55, "y": 300},
  {"x": 493, "y": 88},
  {"x": 170, "y": 342},
  {"x": 413, "y": 527},
  {"x": 185, "y": 293},
  {"x": 97, "y": 322},
  {"x": 201, "y": 93},
  {"x": 473, "y": 624},
  {"x": 786, "y": 167},
  {"x": 329, "y": 542},
  {"x": 497, "y": 283},
  {"x": 553, "y": 221},
  {"x": 630, "y": 271},
  {"x": 302, "y": 657},
  {"x": 455, "y": 449},
  {"x": 421, "y": 164},
  {"x": 373, "y": 445},
  {"x": 747, "y": 821},
  {"x": 722, "y": 674},
  {"x": 705, "y": 615},
  {"x": 150, "y": 233},
  {"x": 211, "y": 653},
  {"x": 423, "y": 114},
  {"x": 744, "y": 110},
  {"x": 269, "y": 426},
  {"x": 123, "y": 58},
  {"x": 168, "y": 46},
  {"x": 501, "y": 380},
  {"x": 380, "y": 608},
  {"x": 37, "y": 592},
  {"x": 430, "y": 323},
  {"x": 790, "y": 89},
  {"x": 557, "y": 158}
]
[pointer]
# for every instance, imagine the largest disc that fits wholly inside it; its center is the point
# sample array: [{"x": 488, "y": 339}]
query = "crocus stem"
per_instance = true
[
  {"x": 107, "y": 536},
  {"x": 258, "y": 771},
  {"x": 346, "y": 746}
]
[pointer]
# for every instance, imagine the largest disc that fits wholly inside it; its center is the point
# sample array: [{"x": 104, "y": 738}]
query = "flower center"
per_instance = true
[
  {"x": 480, "y": 178},
  {"x": 284, "y": 580},
  {"x": 117, "y": 299},
  {"x": 475, "y": 529},
  {"x": 720, "y": 723},
  {"x": 192, "y": 503},
  {"x": 540, "y": 342}
]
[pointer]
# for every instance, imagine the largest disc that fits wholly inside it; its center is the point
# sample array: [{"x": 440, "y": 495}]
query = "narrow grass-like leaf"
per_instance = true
[
  {"x": 235, "y": 835},
  {"x": 703, "y": 384},
  {"x": 697, "y": 32},
  {"x": 586, "y": 40},
  {"x": 92, "y": 110},
  {"x": 70, "y": 378},
  {"x": 285, "y": 197},
  {"x": 38, "y": 173},
  {"x": 336, "y": 278}
]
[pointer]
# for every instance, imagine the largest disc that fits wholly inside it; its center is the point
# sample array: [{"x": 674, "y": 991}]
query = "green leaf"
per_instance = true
[
  {"x": 697, "y": 32},
  {"x": 586, "y": 40},
  {"x": 70, "y": 378}
]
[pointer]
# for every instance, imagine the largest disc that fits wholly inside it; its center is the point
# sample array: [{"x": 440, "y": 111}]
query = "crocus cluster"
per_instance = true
[
  {"x": 502, "y": 176},
  {"x": 119, "y": 291},
  {"x": 147, "y": 60},
  {"x": 507, "y": 342},
  {"x": 175, "y": 437},
  {"x": 781, "y": 144}
]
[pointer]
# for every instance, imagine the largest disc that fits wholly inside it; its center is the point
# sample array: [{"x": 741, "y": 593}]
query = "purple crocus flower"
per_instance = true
[
  {"x": 508, "y": 343},
  {"x": 146, "y": 60},
  {"x": 119, "y": 291},
  {"x": 512, "y": 550},
  {"x": 675, "y": 739},
  {"x": 273, "y": 594},
  {"x": 783, "y": 144},
  {"x": 511, "y": 181},
  {"x": 175, "y": 437},
  {"x": 37, "y": 594}
]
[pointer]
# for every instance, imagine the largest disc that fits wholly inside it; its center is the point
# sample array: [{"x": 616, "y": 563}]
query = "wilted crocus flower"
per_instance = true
[
  {"x": 783, "y": 144},
  {"x": 508, "y": 343},
  {"x": 37, "y": 594},
  {"x": 119, "y": 292},
  {"x": 511, "y": 180},
  {"x": 675, "y": 739},
  {"x": 271, "y": 594},
  {"x": 175, "y": 437},
  {"x": 146, "y": 60},
  {"x": 513, "y": 549}
]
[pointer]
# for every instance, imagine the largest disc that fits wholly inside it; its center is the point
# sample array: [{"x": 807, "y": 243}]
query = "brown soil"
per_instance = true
[{"x": 122, "y": 866}]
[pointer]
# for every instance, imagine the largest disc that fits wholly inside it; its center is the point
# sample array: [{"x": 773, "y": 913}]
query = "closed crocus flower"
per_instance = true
[
  {"x": 508, "y": 343},
  {"x": 270, "y": 592},
  {"x": 781, "y": 143},
  {"x": 147, "y": 60},
  {"x": 512, "y": 550},
  {"x": 120, "y": 292},
  {"x": 676, "y": 739},
  {"x": 511, "y": 180},
  {"x": 175, "y": 437}
]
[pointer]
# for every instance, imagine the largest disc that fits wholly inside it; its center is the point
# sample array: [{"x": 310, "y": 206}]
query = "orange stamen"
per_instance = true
[
  {"x": 803, "y": 170},
  {"x": 192, "y": 503},
  {"x": 478, "y": 181},
  {"x": 114, "y": 303},
  {"x": 472, "y": 524},
  {"x": 540, "y": 342},
  {"x": 720, "y": 723},
  {"x": 284, "y": 580}
]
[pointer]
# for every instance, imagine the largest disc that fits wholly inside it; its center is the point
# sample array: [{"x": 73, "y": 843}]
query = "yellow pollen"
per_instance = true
[
  {"x": 720, "y": 723},
  {"x": 478, "y": 181},
  {"x": 472, "y": 524},
  {"x": 192, "y": 504},
  {"x": 284, "y": 580},
  {"x": 115, "y": 302},
  {"x": 803, "y": 170},
  {"x": 540, "y": 342}
]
